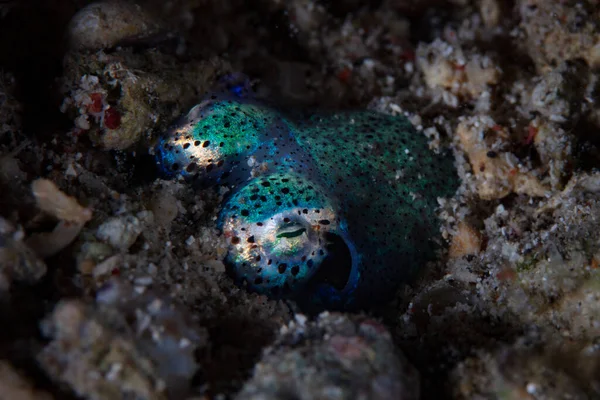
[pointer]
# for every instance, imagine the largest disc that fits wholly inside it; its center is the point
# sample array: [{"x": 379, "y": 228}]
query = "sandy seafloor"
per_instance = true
[{"x": 112, "y": 280}]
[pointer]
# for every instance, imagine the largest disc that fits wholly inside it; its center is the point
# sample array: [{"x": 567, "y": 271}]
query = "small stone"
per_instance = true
[
  {"x": 491, "y": 12},
  {"x": 164, "y": 207},
  {"x": 53, "y": 201},
  {"x": 18, "y": 262},
  {"x": 104, "y": 24},
  {"x": 120, "y": 232},
  {"x": 466, "y": 241}
]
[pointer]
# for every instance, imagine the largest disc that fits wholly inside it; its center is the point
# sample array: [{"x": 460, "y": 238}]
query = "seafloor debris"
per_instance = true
[
  {"x": 114, "y": 97},
  {"x": 492, "y": 12},
  {"x": 131, "y": 343},
  {"x": 466, "y": 241},
  {"x": 71, "y": 215},
  {"x": 555, "y": 148},
  {"x": 497, "y": 172},
  {"x": 557, "y": 31},
  {"x": 104, "y": 24},
  {"x": 448, "y": 68},
  {"x": 120, "y": 232},
  {"x": 558, "y": 94},
  {"x": 335, "y": 356},
  {"x": 369, "y": 50},
  {"x": 53, "y": 201},
  {"x": 524, "y": 372},
  {"x": 120, "y": 95},
  {"x": 18, "y": 261}
]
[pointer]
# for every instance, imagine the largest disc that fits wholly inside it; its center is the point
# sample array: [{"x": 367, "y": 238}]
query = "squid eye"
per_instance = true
[
  {"x": 273, "y": 252},
  {"x": 291, "y": 231},
  {"x": 280, "y": 248},
  {"x": 211, "y": 141}
]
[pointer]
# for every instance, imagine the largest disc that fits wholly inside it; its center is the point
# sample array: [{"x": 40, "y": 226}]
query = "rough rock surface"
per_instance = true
[{"x": 334, "y": 357}]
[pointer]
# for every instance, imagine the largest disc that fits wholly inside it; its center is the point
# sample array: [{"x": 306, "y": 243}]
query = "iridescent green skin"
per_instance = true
[{"x": 372, "y": 176}]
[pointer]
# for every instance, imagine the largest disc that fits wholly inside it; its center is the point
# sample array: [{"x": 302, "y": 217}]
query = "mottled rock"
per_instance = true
[
  {"x": 105, "y": 23},
  {"x": 559, "y": 93},
  {"x": 113, "y": 97},
  {"x": 334, "y": 357},
  {"x": 556, "y": 31},
  {"x": 131, "y": 343},
  {"x": 447, "y": 67},
  {"x": 555, "y": 148},
  {"x": 497, "y": 173},
  {"x": 517, "y": 373}
]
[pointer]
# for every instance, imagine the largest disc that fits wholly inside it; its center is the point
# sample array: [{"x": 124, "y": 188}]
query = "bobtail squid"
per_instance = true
[{"x": 333, "y": 209}]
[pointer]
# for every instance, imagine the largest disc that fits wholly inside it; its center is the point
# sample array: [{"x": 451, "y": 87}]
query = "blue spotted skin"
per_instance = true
[{"x": 335, "y": 210}]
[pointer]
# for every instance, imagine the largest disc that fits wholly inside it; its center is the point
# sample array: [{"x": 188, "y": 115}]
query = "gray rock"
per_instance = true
[{"x": 334, "y": 357}]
